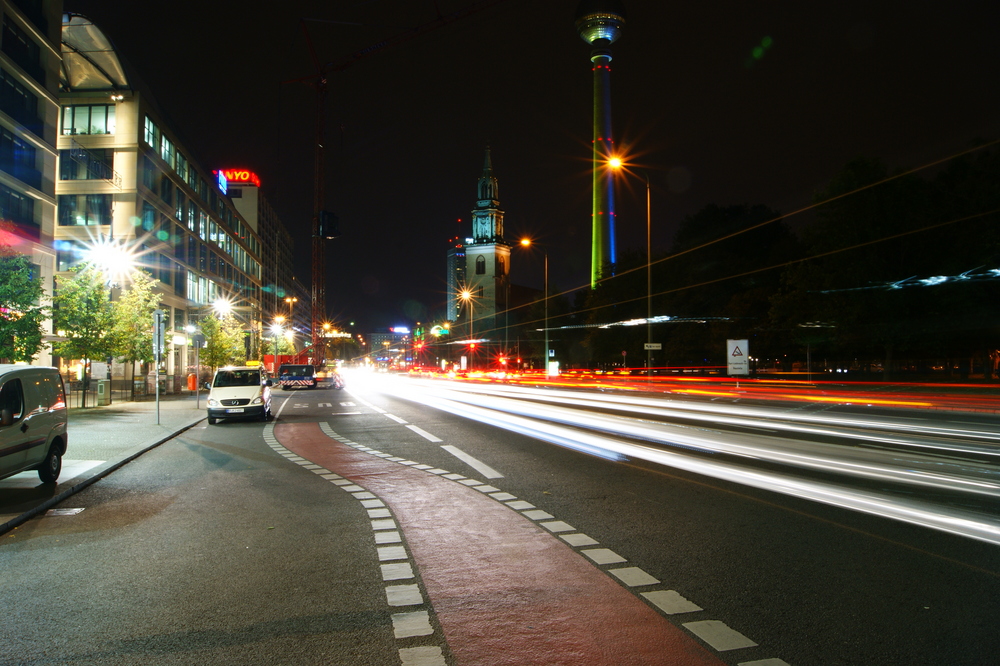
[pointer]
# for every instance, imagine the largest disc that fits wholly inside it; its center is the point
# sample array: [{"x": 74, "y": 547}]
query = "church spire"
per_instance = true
[{"x": 489, "y": 191}]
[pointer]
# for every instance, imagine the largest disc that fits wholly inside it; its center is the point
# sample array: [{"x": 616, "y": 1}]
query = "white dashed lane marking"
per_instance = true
[
  {"x": 718, "y": 635},
  {"x": 475, "y": 464},
  {"x": 423, "y": 433}
]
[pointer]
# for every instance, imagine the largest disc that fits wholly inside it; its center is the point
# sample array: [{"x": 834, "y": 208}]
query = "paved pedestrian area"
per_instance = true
[{"x": 99, "y": 440}]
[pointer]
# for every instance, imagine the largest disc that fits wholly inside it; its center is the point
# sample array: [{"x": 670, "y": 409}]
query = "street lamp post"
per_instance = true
[
  {"x": 526, "y": 242},
  {"x": 276, "y": 330},
  {"x": 617, "y": 164},
  {"x": 466, "y": 296},
  {"x": 649, "y": 287}
]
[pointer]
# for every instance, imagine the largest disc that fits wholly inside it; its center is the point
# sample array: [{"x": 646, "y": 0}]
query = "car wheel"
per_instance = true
[
  {"x": 49, "y": 470},
  {"x": 212, "y": 420}
]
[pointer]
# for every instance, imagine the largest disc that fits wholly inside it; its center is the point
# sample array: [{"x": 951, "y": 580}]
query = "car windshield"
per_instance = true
[
  {"x": 237, "y": 378},
  {"x": 296, "y": 370}
]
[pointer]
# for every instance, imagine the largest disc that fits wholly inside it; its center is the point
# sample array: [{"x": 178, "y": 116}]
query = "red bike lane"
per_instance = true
[{"x": 504, "y": 590}]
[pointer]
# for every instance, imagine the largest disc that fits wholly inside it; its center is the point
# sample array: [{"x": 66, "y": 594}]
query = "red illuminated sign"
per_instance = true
[{"x": 241, "y": 176}]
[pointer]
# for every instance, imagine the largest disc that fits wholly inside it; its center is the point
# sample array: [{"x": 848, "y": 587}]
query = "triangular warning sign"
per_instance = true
[{"x": 737, "y": 352}]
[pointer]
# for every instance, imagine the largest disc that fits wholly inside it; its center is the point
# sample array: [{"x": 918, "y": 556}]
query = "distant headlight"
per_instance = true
[{"x": 256, "y": 401}]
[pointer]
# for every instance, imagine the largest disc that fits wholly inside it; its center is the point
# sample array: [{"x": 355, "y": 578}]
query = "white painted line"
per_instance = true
[
  {"x": 351, "y": 488},
  {"x": 421, "y": 467},
  {"x": 312, "y": 466},
  {"x": 633, "y": 576},
  {"x": 670, "y": 602},
  {"x": 578, "y": 540},
  {"x": 388, "y": 537},
  {"x": 477, "y": 465},
  {"x": 538, "y": 515},
  {"x": 408, "y": 463},
  {"x": 417, "y": 623},
  {"x": 395, "y": 459},
  {"x": 423, "y": 433},
  {"x": 372, "y": 504},
  {"x": 396, "y": 571},
  {"x": 345, "y": 404},
  {"x": 604, "y": 556},
  {"x": 341, "y": 482},
  {"x": 403, "y": 595},
  {"x": 502, "y": 497},
  {"x": 764, "y": 662},
  {"x": 471, "y": 482},
  {"x": 390, "y": 553},
  {"x": 325, "y": 404},
  {"x": 487, "y": 489},
  {"x": 453, "y": 477},
  {"x": 437, "y": 470},
  {"x": 396, "y": 418},
  {"x": 558, "y": 526},
  {"x": 331, "y": 477},
  {"x": 718, "y": 635},
  {"x": 421, "y": 656},
  {"x": 520, "y": 505},
  {"x": 364, "y": 495},
  {"x": 384, "y": 524},
  {"x": 379, "y": 513}
]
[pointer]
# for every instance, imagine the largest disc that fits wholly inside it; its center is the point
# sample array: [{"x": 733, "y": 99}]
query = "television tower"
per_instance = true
[{"x": 599, "y": 23}]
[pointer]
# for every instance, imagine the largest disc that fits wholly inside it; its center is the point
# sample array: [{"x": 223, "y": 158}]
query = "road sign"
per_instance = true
[
  {"x": 652, "y": 346},
  {"x": 738, "y": 355}
]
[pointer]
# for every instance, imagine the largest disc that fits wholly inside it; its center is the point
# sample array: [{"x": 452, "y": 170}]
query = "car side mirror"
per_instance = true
[
  {"x": 6, "y": 418},
  {"x": 208, "y": 386}
]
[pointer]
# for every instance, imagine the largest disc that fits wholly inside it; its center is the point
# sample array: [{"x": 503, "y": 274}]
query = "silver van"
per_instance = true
[{"x": 32, "y": 421}]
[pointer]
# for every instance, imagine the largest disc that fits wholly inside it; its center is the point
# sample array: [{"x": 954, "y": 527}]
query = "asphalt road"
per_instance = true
[{"x": 342, "y": 533}]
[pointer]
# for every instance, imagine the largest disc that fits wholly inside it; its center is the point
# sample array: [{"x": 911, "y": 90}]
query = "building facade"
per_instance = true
[
  {"x": 29, "y": 116},
  {"x": 123, "y": 176}
]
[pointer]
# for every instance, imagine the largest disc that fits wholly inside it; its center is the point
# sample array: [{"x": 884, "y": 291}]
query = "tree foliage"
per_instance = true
[
  {"x": 132, "y": 329},
  {"x": 83, "y": 315},
  {"x": 223, "y": 341},
  {"x": 21, "y": 308}
]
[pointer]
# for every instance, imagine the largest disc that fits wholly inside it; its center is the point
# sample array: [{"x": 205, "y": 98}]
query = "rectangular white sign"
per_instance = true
[{"x": 738, "y": 357}]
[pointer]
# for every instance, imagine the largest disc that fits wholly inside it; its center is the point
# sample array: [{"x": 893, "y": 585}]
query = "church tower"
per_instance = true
[{"x": 487, "y": 261}]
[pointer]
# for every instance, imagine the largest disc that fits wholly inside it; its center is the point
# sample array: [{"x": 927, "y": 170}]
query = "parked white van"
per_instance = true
[
  {"x": 32, "y": 421},
  {"x": 239, "y": 392}
]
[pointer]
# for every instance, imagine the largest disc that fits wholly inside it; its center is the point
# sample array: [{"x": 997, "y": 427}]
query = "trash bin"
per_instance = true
[{"x": 103, "y": 392}]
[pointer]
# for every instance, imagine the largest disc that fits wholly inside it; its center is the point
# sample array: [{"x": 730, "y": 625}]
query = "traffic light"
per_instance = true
[{"x": 329, "y": 224}]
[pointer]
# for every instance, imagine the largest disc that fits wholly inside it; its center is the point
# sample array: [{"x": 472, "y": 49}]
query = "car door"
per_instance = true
[{"x": 15, "y": 438}]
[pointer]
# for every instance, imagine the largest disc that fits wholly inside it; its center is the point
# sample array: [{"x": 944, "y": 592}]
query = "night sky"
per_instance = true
[{"x": 908, "y": 82}]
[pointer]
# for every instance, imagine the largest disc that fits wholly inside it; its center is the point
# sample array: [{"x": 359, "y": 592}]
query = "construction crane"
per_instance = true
[{"x": 324, "y": 223}]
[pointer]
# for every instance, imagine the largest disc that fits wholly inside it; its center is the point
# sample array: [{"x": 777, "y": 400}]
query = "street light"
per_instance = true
[
  {"x": 291, "y": 300},
  {"x": 466, "y": 295},
  {"x": 276, "y": 331},
  {"x": 526, "y": 242},
  {"x": 617, "y": 164}
]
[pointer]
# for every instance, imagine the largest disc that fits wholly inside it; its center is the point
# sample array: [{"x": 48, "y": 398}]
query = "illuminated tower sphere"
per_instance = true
[{"x": 600, "y": 23}]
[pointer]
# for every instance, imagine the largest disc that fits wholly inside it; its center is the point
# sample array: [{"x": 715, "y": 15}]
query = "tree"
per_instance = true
[
  {"x": 132, "y": 330},
  {"x": 21, "y": 312},
  {"x": 223, "y": 341},
  {"x": 83, "y": 315}
]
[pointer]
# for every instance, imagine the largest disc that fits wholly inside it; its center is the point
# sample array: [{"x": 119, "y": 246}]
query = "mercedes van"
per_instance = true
[
  {"x": 32, "y": 421},
  {"x": 239, "y": 392}
]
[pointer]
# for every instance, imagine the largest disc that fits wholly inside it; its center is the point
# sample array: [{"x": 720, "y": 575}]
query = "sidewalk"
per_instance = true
[{"x": 100, "y": 440}]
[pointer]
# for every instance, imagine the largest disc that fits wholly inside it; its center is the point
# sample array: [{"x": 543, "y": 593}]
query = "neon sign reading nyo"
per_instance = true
[{"x": 242, "y": 176}]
